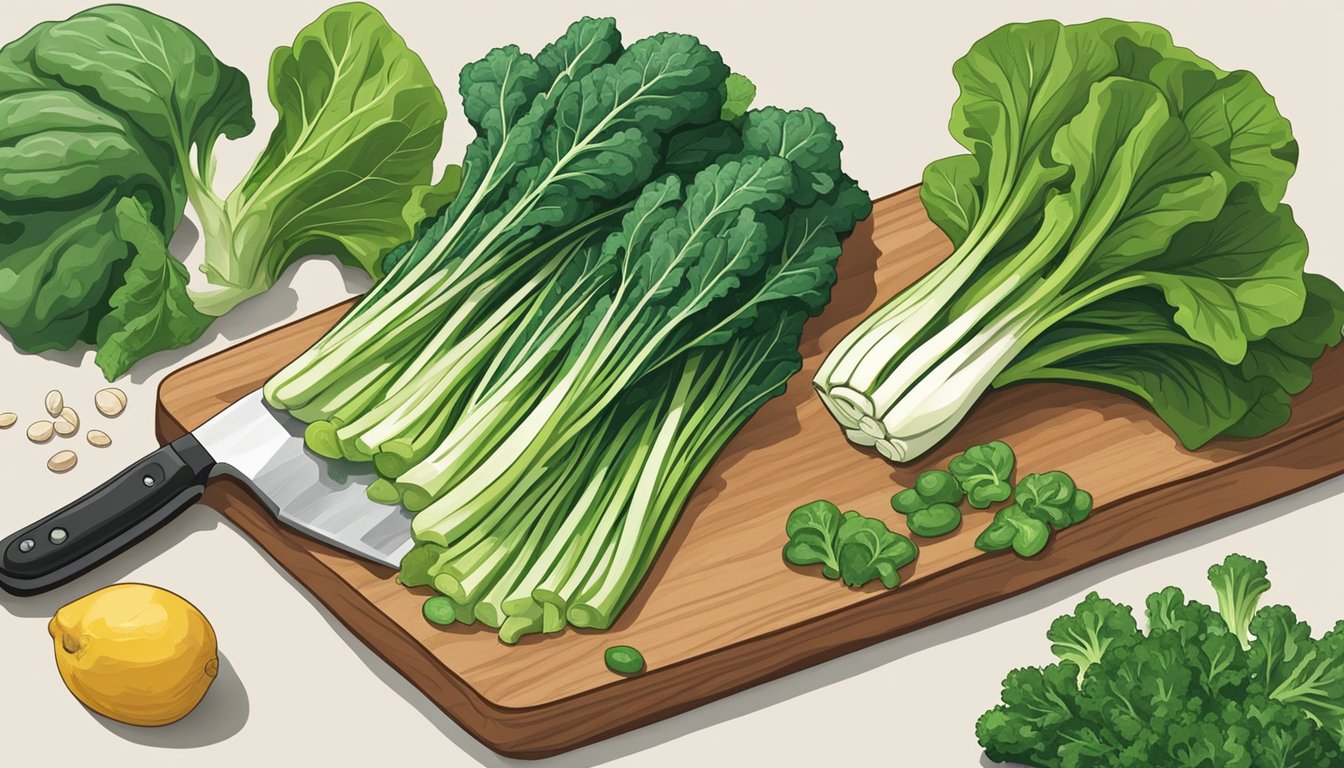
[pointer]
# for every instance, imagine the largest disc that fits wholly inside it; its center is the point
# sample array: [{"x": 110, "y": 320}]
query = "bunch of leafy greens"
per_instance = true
[
  {"x": 108, "y": 124},
  {"x": 849, "y": 546},
  {"x": 551, "y": 364},
  {"x": 1116, "y": 222},
  {"x": 1232, "y": 688}
]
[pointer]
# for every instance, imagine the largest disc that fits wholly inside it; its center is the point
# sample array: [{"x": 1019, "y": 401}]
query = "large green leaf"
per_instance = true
[
  {"x": 1234, "y": 279},
  {"x": 1229, "y": 112},
  {"x": 951, "y": 195},
  {"x": 1138, "y": 178},
  {"x": 151, "y": 311},
  {"x": 1019, "y": 85},
  {"x": 348, "y": 168},
  {"x": 1132, "y": 343},
  {"x": 156, "y": 72}
]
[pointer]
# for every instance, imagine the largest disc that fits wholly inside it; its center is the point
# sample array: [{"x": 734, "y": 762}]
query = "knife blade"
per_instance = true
[{"x": 250, "y": 441}]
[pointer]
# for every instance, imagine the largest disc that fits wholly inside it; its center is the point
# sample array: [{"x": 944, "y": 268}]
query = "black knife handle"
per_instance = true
[{"x": 106, "y": 520}]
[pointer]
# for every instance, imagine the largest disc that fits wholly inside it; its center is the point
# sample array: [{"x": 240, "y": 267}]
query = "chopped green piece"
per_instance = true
[
  {"x": 383, "y": 491},
  {"x": 1081, "y": 507},
  {"x": 932, "y": 487},
  {"x": 934, "y": 520},
  {"x": 985, "y": 473},
  {"x": 1052, "y": 497},
  {"x": 1048, "y": 497},
  {"x": 938, "y": 487},
  {"x": 624, "y": 660},
  {"x": 1032, "y": 535},
  {"x": 1013, "y": 527},
  {"x": 869, "y": 550},
  {"x": 850, "y": 547},
  {"x": 908, "y": 501},
  {"x": 997, "y": 537},
  {"x": 812, "y": 530},
  {"x": 439, "y": 610}
]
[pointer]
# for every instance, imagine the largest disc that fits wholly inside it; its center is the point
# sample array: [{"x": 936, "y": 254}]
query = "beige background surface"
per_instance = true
[{"x": 296, "y": 687}]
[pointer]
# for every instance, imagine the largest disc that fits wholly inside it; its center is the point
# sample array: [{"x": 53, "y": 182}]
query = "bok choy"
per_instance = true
[{"x": 1117, "y": 222}]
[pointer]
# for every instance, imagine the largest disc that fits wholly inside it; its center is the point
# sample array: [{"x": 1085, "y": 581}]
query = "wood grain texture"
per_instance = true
[{"x": 721, "y": 610}]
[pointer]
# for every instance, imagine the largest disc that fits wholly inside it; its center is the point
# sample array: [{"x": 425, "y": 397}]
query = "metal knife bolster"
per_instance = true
[{"x": 106, "y": 520}]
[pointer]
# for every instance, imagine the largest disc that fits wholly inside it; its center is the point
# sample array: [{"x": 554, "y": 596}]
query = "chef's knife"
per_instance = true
[{"x": 250, "y": 441}]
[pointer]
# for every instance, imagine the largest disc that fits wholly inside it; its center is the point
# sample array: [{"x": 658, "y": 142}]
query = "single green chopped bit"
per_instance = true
[
  {"x": 997, "y": 537},
  {"x": 932, "y": 487},
  {"x": 934, "y": 520},
  {"x": 1032, "y": 535},
  {"x": 985, "y": 473},
  {"x": 624, "y": 660},
  {"x": 869, "y": 550},
  {"x": 439, "y": 610},
  {"x": 383, "y": 491},
  {"x": 1081, "y": 507},
  {"x": 1053, "y": 498},
  {"x": 907, "y": 501},
  {"x": 812, "y": 530},
  {"x": 938, "y": 487},
  {"x": 1012, "y": 527}
]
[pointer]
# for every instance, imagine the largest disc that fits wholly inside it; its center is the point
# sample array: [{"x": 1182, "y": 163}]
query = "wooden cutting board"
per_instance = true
[{"x": 721, "y": 610}]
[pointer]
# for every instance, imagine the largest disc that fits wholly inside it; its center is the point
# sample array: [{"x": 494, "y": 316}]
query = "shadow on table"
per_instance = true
[
  {"x": 222, "y": 713},
  {"x": 825, "y": 674}
]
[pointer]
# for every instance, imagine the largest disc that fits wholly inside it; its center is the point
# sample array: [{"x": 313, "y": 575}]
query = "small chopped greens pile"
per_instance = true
[
  {"x": 553, "y": 361},
  {"x": 849, "y": 546},
  {"x": 1041, "y": 502},
  {"x": 819, "y": 533},
  {"x": 108, "y": 122},
  {"x": 1240, "y": 687},
  {"x": 1117, "y": 222}
]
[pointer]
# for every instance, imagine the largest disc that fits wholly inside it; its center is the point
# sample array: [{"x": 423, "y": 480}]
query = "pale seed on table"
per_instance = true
[
  {"x": 110, "y": 402},
  {"x": 41, "y": 431},
  {"x": 67, "y": 423},
  {"x": 98, "y": 438},
  {"x": 63, "y": 461},
  {"x": 7, "y": 419},
  {"x": 55, "y": 402}
]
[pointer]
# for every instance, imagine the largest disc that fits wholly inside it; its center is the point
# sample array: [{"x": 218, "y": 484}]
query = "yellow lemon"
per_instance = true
[{"x": 135, "y": 653}]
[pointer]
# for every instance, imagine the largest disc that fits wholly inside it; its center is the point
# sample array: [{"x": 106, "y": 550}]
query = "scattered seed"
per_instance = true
[
  {"x": 67, "y": 423},
  {"x": 7, "y": 419},
  {"x": 55, "y": 402},
  {"x": 41, "y": 431},
  {"x": 98, "y": 438},
  {"x": 63, "y": 461},
  {"x": 110, "y": 402}
]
